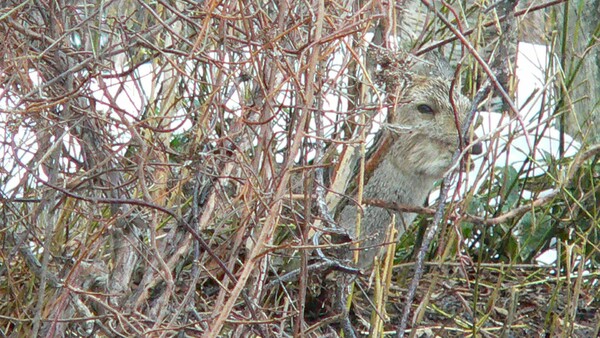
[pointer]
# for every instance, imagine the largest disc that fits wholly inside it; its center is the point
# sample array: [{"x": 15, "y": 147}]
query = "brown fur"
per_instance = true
[{"x": 416, "y": 151}]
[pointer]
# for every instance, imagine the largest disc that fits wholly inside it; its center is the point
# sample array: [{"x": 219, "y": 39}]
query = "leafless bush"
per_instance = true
[{"x": 159, "y": 159}]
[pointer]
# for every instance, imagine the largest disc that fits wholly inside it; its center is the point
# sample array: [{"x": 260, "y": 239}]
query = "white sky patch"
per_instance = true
[
  {"x": 126, "y": 93},
  {"x": 26, "y": 147}
]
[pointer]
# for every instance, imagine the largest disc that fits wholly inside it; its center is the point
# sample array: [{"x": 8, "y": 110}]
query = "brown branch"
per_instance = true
[
  {"x": 502, "y": 18},
  {"x": 505, "y": 217},
  {"x": 520, "y": 211}
]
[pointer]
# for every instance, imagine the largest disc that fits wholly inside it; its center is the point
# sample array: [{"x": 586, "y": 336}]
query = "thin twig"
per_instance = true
[{"x": 432, "y": 230}]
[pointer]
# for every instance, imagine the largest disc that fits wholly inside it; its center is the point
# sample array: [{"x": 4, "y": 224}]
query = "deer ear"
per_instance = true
[{"x": 433, "y": 64}]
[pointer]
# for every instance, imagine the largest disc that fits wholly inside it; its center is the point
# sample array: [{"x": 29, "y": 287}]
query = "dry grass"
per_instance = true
[{"x": 159, "y": 164}]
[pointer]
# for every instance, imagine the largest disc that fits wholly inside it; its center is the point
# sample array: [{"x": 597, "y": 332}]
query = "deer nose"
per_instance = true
[{"x": 477, "y": 149}]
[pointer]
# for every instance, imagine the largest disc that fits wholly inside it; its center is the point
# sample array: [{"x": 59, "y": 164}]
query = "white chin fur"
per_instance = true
[{"x": 431, "y": 162}]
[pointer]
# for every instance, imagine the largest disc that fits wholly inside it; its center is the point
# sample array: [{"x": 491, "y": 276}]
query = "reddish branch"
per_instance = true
[{"x": 507, "y": 216}]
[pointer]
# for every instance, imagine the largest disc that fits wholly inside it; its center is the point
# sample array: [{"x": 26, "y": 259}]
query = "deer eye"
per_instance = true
[{"x": 425, "y": 109}]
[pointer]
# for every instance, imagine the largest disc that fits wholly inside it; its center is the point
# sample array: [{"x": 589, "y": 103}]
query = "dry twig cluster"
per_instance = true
[{"x": 159, "y": 159}]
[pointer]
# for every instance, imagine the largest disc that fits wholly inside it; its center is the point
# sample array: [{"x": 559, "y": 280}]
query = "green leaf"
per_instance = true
[{"x": 534, "y": 232}]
